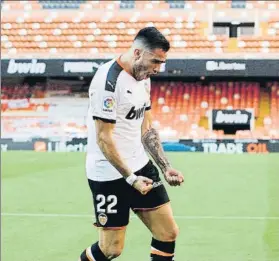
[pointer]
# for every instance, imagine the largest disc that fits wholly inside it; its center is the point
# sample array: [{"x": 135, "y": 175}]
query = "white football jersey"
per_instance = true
[{"x": 116, "y": 97}]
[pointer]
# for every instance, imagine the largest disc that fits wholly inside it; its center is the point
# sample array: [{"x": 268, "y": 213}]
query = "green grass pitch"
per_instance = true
[{"x": 227, "y": 210}]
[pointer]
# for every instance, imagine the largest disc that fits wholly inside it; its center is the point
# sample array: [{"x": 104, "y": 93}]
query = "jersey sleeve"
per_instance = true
[
  {"x": 148, "y": 90},
  {"x": 103, "y": 100}
]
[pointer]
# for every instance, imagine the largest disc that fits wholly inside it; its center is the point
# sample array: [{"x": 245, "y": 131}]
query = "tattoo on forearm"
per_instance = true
[{"x": 151, "y": 142}]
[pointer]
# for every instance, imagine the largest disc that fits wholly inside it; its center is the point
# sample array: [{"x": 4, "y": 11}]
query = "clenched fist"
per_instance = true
[
  {"x": 173, "y": 177},
  {"x": 143, "y": 184}
]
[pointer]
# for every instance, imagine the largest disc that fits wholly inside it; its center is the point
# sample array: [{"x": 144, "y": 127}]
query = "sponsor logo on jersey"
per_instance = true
[
  {"x": 135, "y": 113},
  {"x": 103, "y": 219},
  {"x": 111, "y": 84},
  {"x": 108, "y": 104}
]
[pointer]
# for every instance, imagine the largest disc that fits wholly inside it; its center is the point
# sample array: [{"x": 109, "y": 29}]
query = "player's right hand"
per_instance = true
[{"x": 143, "y": 185}]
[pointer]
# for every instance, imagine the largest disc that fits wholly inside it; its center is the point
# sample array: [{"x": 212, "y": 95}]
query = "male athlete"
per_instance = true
[{"x": 120, "y": 174}]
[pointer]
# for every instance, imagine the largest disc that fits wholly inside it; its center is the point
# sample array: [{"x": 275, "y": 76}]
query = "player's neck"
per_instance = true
[{"x": 124, "y": 62}]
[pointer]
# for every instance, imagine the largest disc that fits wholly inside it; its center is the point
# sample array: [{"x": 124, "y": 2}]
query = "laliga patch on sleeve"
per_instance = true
[{"x": 108, "y": 104}]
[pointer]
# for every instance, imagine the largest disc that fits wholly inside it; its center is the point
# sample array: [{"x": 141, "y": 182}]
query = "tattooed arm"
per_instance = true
[{"x": 152, "y": 144}]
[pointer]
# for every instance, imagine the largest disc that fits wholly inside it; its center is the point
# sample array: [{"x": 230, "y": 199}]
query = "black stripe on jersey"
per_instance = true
[
  {"x": 112, "y": 76},
  {"x": 83, "y": 256},
  {"x": 104, "y": 120},
  {"x": 148, "y": 108}
]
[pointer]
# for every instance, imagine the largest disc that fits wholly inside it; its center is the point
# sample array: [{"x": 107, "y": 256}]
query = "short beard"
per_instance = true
[{"x": 136, "y": 71}]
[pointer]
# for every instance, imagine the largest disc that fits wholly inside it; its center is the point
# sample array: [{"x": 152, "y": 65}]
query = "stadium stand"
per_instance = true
[
  {"x": 37, "y": 35},
  {"x": 51, "y": 33},
  {"x": 180, "y": 109},
  {"x": 273, "y": 120},
  {"x": 183, "y": 108}
]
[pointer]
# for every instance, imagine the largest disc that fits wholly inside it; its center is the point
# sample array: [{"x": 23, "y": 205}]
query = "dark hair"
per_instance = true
[{"x": 153, "y": 38}]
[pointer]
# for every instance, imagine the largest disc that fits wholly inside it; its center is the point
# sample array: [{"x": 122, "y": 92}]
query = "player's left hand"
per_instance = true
[{"x": 174, "y": 177}]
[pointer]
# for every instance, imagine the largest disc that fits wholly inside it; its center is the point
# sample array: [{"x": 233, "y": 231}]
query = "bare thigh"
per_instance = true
[
  {"x": 160, "y": 222},
  {"x": 111, "y": 242}
]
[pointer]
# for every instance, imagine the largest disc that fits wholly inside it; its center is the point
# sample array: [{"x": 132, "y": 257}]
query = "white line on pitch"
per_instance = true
[{"x": 133, "y": 216}]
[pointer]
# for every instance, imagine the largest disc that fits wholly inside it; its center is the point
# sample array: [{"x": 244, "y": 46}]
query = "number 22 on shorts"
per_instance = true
[{"x": 111, "y": 199}]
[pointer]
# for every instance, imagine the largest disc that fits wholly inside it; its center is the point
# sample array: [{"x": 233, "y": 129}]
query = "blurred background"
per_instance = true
[
  {"x": 224, "y": 56},
  {"x": 217, "y": 93}
]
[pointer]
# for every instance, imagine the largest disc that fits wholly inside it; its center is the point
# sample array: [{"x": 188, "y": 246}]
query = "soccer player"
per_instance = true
[{"x": 120, "y": 133}]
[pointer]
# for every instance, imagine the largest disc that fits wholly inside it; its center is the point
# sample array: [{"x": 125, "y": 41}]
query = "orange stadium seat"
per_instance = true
[
  {"x": 113, "y": 29},
  {"x": 274, "y": 106},
  {"x": 270, "y": 5},
  {"x": 188, "y": 102},
  {"x": 179, "y": 107},
  {"x": 46, "y": 27}
]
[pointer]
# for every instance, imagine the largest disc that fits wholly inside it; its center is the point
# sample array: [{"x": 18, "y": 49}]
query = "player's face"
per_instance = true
[{"x": 148, "y": 63}]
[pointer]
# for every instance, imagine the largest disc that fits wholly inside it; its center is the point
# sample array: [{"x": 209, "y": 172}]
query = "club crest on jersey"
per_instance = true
[
  {"x": 103, "y": 219},
  {"x": 108, "y": 104}
]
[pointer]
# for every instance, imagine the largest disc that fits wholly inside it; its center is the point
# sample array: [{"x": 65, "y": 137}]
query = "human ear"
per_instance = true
[{"x": 137, "y": 54}]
